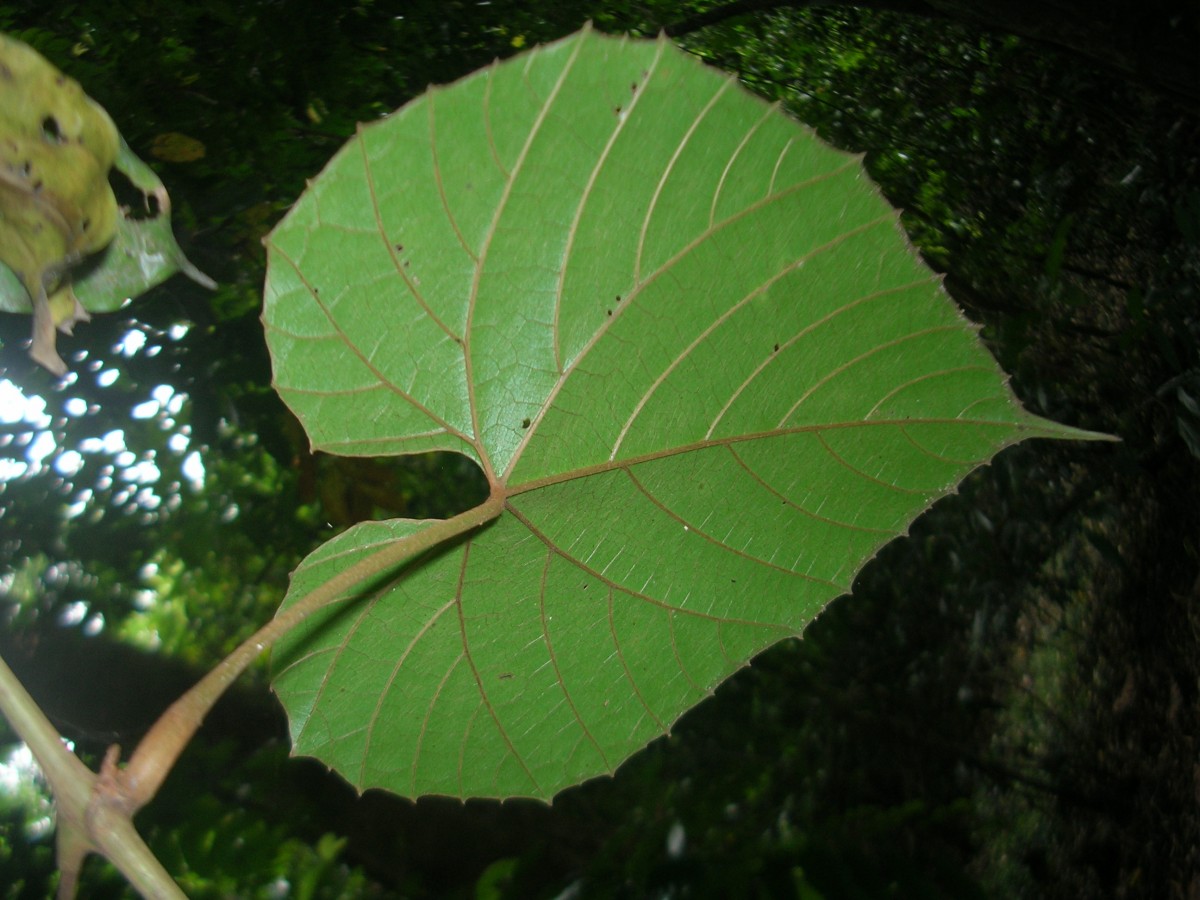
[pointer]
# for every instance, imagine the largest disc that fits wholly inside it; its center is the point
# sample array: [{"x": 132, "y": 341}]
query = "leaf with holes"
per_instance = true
[
  {"x": 689, "y": 346},
  {"x": 66, "y": 249}
]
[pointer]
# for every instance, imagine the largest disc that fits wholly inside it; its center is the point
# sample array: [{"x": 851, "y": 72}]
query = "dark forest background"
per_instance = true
[{"x": 1008, "y": 705}]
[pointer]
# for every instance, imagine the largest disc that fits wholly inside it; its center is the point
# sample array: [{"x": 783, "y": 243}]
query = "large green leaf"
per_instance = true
[{"x": 688, "y": 343}]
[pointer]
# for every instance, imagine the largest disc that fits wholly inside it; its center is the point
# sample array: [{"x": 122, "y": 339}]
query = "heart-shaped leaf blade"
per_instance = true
[{"x": 685, "y": 339}]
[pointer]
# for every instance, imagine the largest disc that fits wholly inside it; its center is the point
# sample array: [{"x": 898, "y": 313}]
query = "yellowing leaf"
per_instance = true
[{"x": 57, "y": 207}]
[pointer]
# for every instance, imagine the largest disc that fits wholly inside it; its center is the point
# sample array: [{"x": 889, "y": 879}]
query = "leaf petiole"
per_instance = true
[{"x": 154, "y": 757}]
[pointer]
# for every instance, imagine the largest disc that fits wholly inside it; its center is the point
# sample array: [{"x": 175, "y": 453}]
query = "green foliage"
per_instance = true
[
  {"x": 893, "y": 697},
  {"x": 686, "y": 341},
  {"x": 211, "y": 865}
]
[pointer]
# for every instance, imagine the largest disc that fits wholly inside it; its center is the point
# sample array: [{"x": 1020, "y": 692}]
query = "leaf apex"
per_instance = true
[{"x": 1047, "y": 428}]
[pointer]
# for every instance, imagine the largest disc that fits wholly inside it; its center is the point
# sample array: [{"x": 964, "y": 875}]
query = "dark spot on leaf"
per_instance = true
[
  {"x": 399, "y": 248},
  {"x": 776, "y": 348},
  {"x": 633, "y": 87},
  {"x": 524, "y": 423},
  {"x": 50, "y": 129},
  {"x": 610, "y": 312},
  {"x": 618, "y": 298},
  {"x": 617, "y": 110},
  {"x": 504, "y": 676}
]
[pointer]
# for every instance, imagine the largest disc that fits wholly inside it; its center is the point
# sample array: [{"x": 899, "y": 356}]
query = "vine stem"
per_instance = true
[
  {"x": 95, "y": 812},
  {"x": 82, "y": 826}
]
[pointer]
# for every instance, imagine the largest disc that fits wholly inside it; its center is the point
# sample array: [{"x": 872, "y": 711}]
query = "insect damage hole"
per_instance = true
[{"x": 51, "y": 132}]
